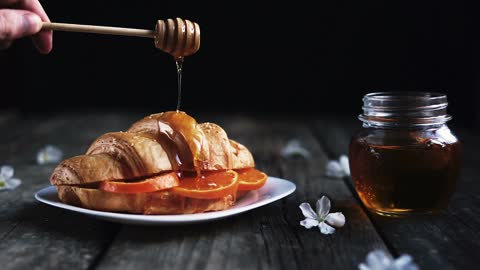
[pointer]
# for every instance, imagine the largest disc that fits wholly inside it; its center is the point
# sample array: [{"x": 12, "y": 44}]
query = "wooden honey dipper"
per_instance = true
[{"x": 177, "y": 37}]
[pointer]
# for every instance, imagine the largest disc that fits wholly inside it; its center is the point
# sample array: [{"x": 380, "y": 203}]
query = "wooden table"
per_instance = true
[{"x": 38, "y": 236}]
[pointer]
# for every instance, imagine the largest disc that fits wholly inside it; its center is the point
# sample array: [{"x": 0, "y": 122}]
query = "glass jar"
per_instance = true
[{"x": 405, "y": 159}]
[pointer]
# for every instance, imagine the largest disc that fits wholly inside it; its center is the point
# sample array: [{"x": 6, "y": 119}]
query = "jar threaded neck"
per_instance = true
[{"x": 404, "y": 109}]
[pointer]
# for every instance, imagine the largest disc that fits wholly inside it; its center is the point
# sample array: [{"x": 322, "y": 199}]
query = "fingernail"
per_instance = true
[{"x": 31, "y": 23}]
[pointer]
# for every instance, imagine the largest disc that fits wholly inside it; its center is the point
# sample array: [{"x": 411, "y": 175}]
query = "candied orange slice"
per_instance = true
[
  {"x": 251, "y": 179},
  {"x": 209, "y": 185},
  {"x": 152, "y": 184}
]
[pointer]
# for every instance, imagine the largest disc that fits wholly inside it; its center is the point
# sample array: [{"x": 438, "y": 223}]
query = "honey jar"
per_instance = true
[{"x": 405, "y": 159}]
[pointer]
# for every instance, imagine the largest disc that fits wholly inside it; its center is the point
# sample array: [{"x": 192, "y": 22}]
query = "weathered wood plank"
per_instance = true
[
  {"x": 34, "y": 235},
  {"x": 7, "y": 116},
  {"x": 450, "y": 240},
  {"x": 266, "y": 238}
]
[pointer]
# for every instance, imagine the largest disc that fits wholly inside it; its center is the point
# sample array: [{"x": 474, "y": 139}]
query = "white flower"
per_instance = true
[
  {"x": 49, "y": 154},
  {"x": 338, "y": 168},
  {"x": 294, "y": 148},
  {"x": 344, "y": 164},
  {"x": 322, "y": 218},
  {"x": 380, "y": 260},
  {"x": 6, "y": 180}
]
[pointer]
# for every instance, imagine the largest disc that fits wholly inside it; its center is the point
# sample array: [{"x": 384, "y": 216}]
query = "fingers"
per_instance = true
[
  {"x": 15, "y": 24},
  {"x": 42, "y": 40}
]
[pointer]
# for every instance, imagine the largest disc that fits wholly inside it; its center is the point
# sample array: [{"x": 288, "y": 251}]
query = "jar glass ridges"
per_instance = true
[{"x": 405, "y": 159}]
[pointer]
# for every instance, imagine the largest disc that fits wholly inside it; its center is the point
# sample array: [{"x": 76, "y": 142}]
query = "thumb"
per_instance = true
[{"x": 15, "y": 24}]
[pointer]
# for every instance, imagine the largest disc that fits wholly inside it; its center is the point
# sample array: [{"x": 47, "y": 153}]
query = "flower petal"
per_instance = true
[
  {"x": 334, "y": 169},
  {"x": 379, "y": 259},
  {"x": 362, "y": 266},
  {"x": 309, "y": 223},
  {"x": 308, "y": 211},
  {"x": 12, "y": 183},
  {"x": 6, "y": 172},
  {"x": 335, "y": 219},
  {"x": 323, "y": 207},
  {"x": 49, "y": 154},
  {"x": 404, "y": 262},
  {"x": 344, "y": 164},
  {"x": 294, "y": 148},
  {"x": 325, "y": 228}
]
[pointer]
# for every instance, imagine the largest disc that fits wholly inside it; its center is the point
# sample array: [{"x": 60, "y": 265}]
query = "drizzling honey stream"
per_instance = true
[
  {"x": 179, "y": 63},
  {"x": 180, "y": 43}
]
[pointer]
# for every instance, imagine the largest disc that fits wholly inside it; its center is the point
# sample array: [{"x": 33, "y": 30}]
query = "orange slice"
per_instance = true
[
  {"x": 210, "y": 185},
  {"x": 152, "y": 184},
  {"x": 251, "y": 179}
]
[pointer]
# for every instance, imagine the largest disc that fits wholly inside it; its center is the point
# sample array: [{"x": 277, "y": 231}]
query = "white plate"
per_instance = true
[{"x": 274, "y": 189}]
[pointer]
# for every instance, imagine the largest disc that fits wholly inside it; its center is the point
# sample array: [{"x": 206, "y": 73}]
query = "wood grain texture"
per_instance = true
[
  {"x": 7, "y": 117},
  {"x": 449, "y": 240},
  {"x": 34, "y": 235},
  {"x": 269, "y": 237},
  {"x": 42, "y": 237}
]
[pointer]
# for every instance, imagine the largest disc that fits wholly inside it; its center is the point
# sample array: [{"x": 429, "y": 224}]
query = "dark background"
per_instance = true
[{"x": 317, "y": 57}]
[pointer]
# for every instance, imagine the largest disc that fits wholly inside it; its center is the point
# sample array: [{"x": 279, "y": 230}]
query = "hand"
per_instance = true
[{"x": 20, "y": 18}]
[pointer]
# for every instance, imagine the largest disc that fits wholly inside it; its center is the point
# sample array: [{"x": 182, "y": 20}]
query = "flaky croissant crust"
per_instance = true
[{"x": 151, "y": 146}]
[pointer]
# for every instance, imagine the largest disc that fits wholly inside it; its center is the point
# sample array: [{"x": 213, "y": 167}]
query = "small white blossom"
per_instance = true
[
  {"x": 334, "y": 169},
  {"x": 294, "y": 148},
  {"x": 322, "y": 218},
  {"x": 6, "y": 180},
  {"x": 344, "y": 163},
  {"x": 49, "y": 154},
  {"x": 338, "y": 168},
  {"x": 380, "y": 260}
]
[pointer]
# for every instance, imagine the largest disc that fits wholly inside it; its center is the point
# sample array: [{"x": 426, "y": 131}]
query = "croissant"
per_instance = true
[{"x": 151, "y": 148}]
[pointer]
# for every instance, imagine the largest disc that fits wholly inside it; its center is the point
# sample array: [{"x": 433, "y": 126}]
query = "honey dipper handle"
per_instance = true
[{"x": 95, "y": 29}]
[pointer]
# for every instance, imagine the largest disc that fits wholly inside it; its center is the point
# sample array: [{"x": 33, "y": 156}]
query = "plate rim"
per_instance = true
[{"x": 178, "y": 218}]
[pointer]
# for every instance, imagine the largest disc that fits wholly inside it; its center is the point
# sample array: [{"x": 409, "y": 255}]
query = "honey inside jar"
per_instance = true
[{"x": 405, "y": 159}]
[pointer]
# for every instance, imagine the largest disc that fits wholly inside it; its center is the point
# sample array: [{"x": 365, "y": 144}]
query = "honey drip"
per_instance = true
[
  {"x": 179, "y": 64},
  {"x": 184, "y": 154}
]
